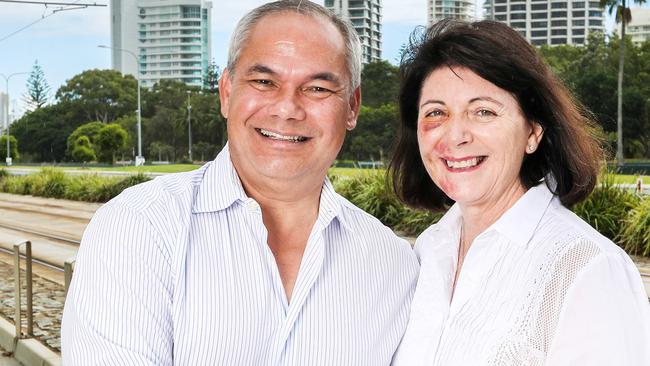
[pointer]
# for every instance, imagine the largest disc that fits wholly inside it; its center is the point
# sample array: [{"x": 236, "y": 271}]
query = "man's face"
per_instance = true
[{"x": 288, "y": 102}]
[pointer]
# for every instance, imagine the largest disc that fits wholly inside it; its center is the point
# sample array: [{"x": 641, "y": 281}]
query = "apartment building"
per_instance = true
[
  {"x": 456, "y": 9},
  {"x": 639, "y": 27},
  {"x": 365, "y": 16},
  {"x": 162, "y": 39},
  {"x": 550, "y": 21}
]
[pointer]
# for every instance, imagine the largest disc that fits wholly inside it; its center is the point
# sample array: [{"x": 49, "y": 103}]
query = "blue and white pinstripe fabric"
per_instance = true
[{"x": 177, "y": 271}]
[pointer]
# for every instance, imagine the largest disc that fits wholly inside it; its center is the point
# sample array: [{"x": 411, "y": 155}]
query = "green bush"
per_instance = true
[
  {"x": 371, "y": 192},
  {"x": 54, "y": 183},
  {"x": 3, "y": 174},
  {"x": 635, "y": 233},
  {"x": 414, "y": 222},
  {"x": 606, "y": 207}
]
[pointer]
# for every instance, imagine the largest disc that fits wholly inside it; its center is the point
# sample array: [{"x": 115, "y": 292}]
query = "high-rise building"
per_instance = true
[
  {"x": 170, "y": 38},
  {"x": 365, "y": 16},
  {"x": 550, "y": 21},
  {"x": 456, "y": 9},
  {"x": 639, "y": 27}
]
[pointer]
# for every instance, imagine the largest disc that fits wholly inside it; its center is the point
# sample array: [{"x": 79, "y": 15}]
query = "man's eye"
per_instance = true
[
  {"x": 317, "y": 91},
  {"x": 262, "y": 83}
]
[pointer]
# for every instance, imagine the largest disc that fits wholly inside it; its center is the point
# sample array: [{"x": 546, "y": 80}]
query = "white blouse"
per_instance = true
[{"x": 538, "y": 287}]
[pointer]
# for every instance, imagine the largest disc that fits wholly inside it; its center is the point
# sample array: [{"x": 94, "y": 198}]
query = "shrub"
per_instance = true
[
  {"x": 635, "y": 233},
  {"x": 414, "y": 222},
  {"x": 47, "y": 183},
  {"x": 372, "y": 193},
  {"x": 3, "y": 174},
  {"x": 85, "y": 187},
  {"x": 606, "y": 207}
]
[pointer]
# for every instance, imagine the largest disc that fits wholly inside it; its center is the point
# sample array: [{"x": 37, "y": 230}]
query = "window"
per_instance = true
[
  {"x": 539, "y": 33},
  {"x": 593, "y": 13},
  {"x": 515, "y": 7},
  {"x": 538, "y": 7},
  {"x": 558, "y": 32},
  {"x": 578, "y": 14},
  {"x": 579, "y": 5},
  {"x": 518, "y": 16},
  {"x": 558, "y": 14},
  {"x": 500, "y": 17},
  {"x": 539, "y": 42},
  {"x": 500, "y": 9},
  {"x": 558, "y": 41},
  {"x": 578, "y": 32},
  {"x": 558, "y": 23},
  {"x": 538, "y": 24},
  {"x": 595, "y": 22},
  {"x": 539, "y": 15},
  {"x": 561, "y": 5},
  {"x": 578, "y": 40},
  {"x": 518, "y": 24},
  {"x": 579, "y": 23},
  {"x": 329, "y": 3}
]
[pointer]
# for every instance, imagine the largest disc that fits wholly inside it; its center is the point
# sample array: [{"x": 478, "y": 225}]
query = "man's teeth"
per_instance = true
[
  {"x": 277, "y": 136},
  {"x": 464, "y": 163}
]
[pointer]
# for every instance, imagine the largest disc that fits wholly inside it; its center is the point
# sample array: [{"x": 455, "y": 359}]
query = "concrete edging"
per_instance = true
[{"x": 29, "y": 351}]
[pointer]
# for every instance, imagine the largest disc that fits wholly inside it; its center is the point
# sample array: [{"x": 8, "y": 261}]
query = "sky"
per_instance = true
[{"x": 65, "y": 42}]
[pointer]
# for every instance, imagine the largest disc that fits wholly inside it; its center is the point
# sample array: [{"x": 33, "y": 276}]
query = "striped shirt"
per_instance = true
[{"x": 177, "y": 271}]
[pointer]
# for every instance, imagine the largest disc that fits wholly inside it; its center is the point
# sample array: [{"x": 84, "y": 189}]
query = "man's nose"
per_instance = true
[{"x": 288, "y": 106}]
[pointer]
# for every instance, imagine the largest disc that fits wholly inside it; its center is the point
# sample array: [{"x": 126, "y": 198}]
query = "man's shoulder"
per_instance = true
[
  {"x": 165, "y": 194},
  {"x": 369, "y": 227}
]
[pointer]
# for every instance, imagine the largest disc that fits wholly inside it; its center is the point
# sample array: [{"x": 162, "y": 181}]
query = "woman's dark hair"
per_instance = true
[{"x": 569, "y": 150}]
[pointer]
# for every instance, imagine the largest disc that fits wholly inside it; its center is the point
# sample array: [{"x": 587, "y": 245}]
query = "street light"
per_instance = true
[
  {"x": 6, "y": 114},
  {"x": 189, "y": 123},
  {"x": 139, "y": 160}
]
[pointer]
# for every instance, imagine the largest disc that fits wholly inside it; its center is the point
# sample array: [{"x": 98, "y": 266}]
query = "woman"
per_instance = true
[{"x": 509, "y": 276}]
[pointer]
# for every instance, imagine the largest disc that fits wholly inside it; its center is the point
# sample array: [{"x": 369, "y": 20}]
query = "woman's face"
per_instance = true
[{"x": 473, "y": 137}]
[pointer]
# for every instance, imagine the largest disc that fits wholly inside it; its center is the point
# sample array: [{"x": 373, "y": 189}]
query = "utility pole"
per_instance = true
[{"x": 6, "y": 114}]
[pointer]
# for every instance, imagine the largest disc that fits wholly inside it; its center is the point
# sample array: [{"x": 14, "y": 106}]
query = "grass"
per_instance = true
[{"x": 171, "y": 168}]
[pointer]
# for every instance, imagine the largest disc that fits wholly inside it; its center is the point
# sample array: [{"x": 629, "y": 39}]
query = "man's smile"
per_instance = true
[{"x": 282, "y": 137}]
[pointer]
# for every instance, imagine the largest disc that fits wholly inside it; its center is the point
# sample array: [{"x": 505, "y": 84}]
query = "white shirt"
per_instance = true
[
  {"x": 177, "y": 271},
  {"x": 538, "y": 287}
]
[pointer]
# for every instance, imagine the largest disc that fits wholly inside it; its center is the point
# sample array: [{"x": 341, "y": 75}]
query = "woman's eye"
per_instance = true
[
  {"x": 485, "y": 113},
  {"x": 435, "y": 113}
]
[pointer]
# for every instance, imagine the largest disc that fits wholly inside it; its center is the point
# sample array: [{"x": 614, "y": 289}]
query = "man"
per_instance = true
[{"x": 252, "y": 259}]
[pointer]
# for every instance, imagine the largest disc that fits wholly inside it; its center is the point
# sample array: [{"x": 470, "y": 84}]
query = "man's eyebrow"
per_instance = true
[
  {"x": 326, "y": 76},
  {"x": 260, "y": 69}
]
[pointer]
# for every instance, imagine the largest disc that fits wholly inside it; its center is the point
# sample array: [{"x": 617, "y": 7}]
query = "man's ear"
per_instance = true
[
  {"x": 353, "y": 113},
  {"x": 224, "y": 92}
]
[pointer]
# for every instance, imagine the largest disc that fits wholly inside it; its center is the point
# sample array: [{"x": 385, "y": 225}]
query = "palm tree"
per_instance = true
[{"x": 623, "y": 16}]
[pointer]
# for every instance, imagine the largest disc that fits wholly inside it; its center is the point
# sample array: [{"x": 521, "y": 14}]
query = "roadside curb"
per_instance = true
[{"x": 30, "y": 351}]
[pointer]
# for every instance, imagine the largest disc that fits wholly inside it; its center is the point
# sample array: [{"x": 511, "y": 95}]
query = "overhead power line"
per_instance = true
[
  {"x": 61, "y": 7},
  {"x": 49, "y": 3}
]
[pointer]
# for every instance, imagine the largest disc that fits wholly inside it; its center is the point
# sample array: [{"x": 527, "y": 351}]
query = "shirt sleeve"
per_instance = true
[
  {"x": 605, "y": 319},
  {"x": 118, "y": 308}
]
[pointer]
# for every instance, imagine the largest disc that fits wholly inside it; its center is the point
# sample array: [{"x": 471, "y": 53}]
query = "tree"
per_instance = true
[
  {"x": 211, "y": 78},
  {"x": 38, "y": 90},
  {"x": 13, "y": 147},
  {"x": 89, "y": 130},
  {"x": 43, "y": 133},
  {"x": 100, "y": 95},
  {"x": 159, "y": 149},
  {"x": 82, "y": 150},
  {"x": 623, "y": 16},
  {"x": 379, "y": 83},
  {"x": 110, "y": 139}
]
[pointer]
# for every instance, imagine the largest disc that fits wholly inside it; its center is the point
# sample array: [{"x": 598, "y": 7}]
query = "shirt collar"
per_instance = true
[
  {"x": 221, "y": 187},
  {"x": 518, "y": 223},
  {"x": 521, "y": 220}
]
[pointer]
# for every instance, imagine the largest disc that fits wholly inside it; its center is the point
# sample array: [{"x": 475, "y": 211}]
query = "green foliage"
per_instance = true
[
  {"x": 373, "y": 193},
  {"x": 82, "y": 151},
  {"x": 379, "y": 83},
  {"x": 54, "y": 183},
  {"x": 211, "y": 78},
  {"x": 89, "y": 130},
  {"x": 3, "y": 174},
  {"x": 606, "y": 207},
  {"x": 372, "y": 139},
  {"x": 110, "y": 139},
  {"x": 13, "y": 147},
  {"x": 38, "y": 89},
  {"x": 100, "y": 95},
  {"x": 635, "y": 233}
]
